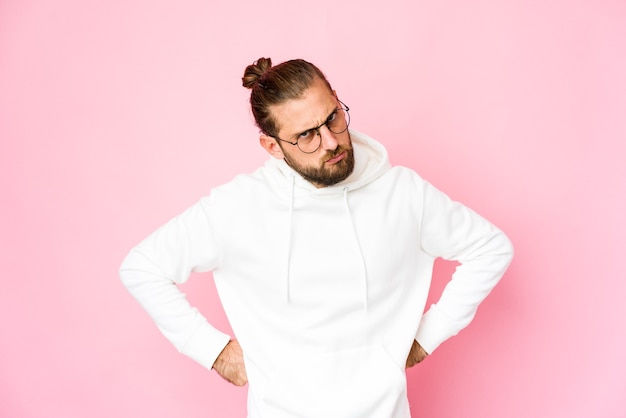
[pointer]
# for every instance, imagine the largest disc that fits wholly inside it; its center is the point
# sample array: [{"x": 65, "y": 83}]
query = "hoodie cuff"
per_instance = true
[
  {"x": 206, "y": 345},
  {"x": 435, "y": 328}
]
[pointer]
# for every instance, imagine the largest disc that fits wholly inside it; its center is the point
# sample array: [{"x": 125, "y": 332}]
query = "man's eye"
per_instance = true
[
  {"x": 306, "y": 135},
  {"x": 332, "y": 117}
]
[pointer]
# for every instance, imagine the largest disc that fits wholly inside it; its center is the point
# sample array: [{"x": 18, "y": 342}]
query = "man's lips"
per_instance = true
[{"x": 336, "y": 159}]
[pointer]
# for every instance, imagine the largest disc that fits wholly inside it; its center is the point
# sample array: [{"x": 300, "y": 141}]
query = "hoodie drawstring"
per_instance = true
[
  {"x": 358, "y": 245},
  {"x": 289, "y": 234}
]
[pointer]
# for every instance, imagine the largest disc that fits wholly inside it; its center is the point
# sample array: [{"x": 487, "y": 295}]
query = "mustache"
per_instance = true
[{"x": 335, "y": 152}]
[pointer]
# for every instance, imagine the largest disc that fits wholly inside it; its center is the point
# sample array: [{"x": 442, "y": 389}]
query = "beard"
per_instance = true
[{"x": 322, "y": 175}]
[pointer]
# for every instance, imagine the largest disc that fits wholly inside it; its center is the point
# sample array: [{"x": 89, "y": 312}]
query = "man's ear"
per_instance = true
[{"x": 271, "y": 146}]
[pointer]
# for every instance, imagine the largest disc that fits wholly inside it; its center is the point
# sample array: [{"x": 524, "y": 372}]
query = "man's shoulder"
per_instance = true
[
  {"x": 401, "y": 173},
  {"x": 242, "y": 185}
]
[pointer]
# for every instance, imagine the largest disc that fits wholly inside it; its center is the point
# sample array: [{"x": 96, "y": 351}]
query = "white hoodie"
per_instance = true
[{"x": 324, "y": 288}]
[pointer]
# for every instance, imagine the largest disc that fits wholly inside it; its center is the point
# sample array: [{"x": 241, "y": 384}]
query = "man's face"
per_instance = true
[{"x": 334, "y": 159}]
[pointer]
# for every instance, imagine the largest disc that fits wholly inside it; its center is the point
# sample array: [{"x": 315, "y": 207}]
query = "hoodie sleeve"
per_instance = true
[
  {"x": 152, "y": 270},
  {"x": 454, "y": 232}
]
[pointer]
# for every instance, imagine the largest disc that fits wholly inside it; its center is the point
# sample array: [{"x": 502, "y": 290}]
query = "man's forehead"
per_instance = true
[{"x": 312, "y": 109}]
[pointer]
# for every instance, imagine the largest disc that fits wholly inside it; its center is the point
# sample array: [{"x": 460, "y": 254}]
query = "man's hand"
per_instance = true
[
  {"x": 416, "y": 355},
  {"x": 229, "y": 364}
]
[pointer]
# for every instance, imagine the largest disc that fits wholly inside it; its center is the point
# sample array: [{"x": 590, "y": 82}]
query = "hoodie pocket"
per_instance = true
[{"x": 362, "y": 382}]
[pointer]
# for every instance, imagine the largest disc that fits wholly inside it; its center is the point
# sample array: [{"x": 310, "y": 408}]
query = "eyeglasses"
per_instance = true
[{"x": 310, "y": 140}]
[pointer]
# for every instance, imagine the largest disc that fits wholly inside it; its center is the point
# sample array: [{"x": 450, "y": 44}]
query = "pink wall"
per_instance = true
[{"x": 115, "y": 116}]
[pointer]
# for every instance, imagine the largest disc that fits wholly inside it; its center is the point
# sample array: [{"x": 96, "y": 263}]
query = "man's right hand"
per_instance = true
[{"x": 229, "y": 364}]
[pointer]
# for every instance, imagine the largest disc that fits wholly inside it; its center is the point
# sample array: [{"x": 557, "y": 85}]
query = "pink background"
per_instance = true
[{"x": 117, "y": 115}]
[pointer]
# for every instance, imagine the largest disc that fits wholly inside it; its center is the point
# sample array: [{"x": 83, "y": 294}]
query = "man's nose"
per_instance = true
[{"x": 328, "y": 139}]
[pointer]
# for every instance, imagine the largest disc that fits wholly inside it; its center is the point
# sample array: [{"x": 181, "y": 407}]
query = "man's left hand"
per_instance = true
[{"x": 416, "y": 355}]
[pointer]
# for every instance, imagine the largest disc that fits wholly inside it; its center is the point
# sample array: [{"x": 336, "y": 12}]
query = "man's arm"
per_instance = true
[
  {"x": 452, "y": 231},
  {"x": 153, "y": 269}
]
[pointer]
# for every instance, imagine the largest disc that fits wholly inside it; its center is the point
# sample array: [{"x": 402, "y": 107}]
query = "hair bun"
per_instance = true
[{"x": 255, "y": 71}]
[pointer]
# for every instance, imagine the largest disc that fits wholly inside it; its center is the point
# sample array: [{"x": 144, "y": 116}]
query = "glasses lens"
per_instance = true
[
  {"x": 310, "y": 142},
  {"x": 340, "y": 122}
]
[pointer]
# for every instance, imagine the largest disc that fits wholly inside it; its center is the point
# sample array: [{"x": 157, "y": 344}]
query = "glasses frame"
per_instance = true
[{"x": 343, "y": 107}]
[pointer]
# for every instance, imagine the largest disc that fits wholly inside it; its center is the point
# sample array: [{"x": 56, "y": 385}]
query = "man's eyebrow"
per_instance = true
[{"x": 318, "y": 126}]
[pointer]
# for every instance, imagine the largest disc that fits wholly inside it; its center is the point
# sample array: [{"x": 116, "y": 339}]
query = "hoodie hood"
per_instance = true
[{"x": 370, "y": 162}]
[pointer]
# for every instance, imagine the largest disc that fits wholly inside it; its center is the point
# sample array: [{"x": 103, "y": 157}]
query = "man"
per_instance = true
[{"x": 322, "y": 259}]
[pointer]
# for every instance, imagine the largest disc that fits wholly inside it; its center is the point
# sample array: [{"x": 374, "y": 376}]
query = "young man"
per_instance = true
[{"x": 322, "y": 259}]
